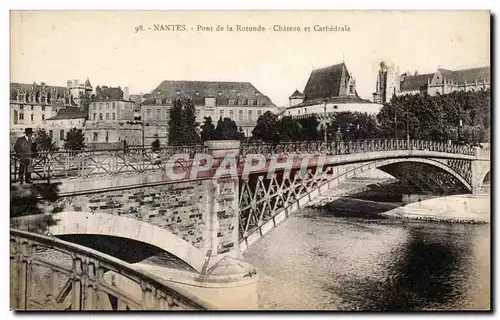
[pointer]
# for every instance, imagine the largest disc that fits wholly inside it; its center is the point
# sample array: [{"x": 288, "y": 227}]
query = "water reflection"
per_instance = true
[
  {"x": 424, "y": 273},
  {"x": 324, "y": 260}
]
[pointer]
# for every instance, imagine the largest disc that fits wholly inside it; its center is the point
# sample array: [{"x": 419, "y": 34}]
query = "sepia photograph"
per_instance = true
[{"x": 250, "y": 160}]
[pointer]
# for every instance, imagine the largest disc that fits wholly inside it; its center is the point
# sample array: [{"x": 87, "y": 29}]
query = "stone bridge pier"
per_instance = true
[{"x": 196, "y": 220}]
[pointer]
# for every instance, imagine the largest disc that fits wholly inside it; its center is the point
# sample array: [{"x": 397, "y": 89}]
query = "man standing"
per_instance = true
[{"x": 25, "y": 149}]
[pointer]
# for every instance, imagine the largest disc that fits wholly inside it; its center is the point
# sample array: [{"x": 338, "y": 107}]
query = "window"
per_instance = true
[
  {"x": 231, "y": 102},
  {"x": 107, "y": 115},
  {"x": 259, "y": 113},
  {"x": 107, "y": 137},
  {"x": 178, "y": 92},
  {"x": 100, "y": 116},
  {"x": 94, "y": 116},
  {"x": 238, "y": 94},
  {"x": 158, "y": 101},
  {"x": 43, "y": 116},
  {"x": 236, "y": 102},
  {"x": 15, "y": 117},
  {"x": 32, "y": 117},
  {"x": 113, "y": 104},
  {"x": 220, "y": 93},
  {"x": 250, "y": 118},
  {"x": 158, "y": 114},
  {"x": 351, "y": 88},
  {"x": 94, "y": 106},
  {"x": 21, "y": 116},
  {"x": 43, "y": 108},
  {"x": 221, "y": 113},
  {"x": 240, "y": 115},
  {"x": 31, "y": 107},
  {"x": 100, "y": 105},
  {"x": 51, "y": 134},
  {"x": 148, "y": 114},
  {"x": 42, "y": 99},
  {"x": 231, "y": 114},
  {"x": 114, "y": 116},
  {"x": 107, "y": 105},
  {"x": 61, "y": 134},
  {"x": 21, "y": 108},
  {"x": 95, "y": 136}
]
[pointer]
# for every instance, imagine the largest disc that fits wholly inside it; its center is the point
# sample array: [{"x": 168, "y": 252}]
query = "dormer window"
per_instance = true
[
  {"x": 178, "y": 92},
  {"x": 220, "y": 93},
  {"x": 158, "y": 101}
]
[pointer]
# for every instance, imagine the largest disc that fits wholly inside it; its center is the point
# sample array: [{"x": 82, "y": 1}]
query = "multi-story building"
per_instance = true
[
  {"x": 328, "y": 90},
  {"x": 239, "y": 101},
  {"x": 111, "y": 119},
  {"x": 442, "y": 81},
  {"x": 66, "y": 119},
  {"x": 31, "y": 104}
]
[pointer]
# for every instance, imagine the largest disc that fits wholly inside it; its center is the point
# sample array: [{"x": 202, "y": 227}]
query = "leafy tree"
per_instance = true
[
  {"x": 360, "y": 125},
  {"x": 190, "y": 126},
  {"x": 227, "y": 130},
  {"x": 438, "y": 117},
  {"x": 289, "y": 129},
  {"x": 309, "y": 128},
  {"x": 75, "y": 140},
  {"x": 175, "y": 123},
  {"x": 207, "y": 129},
  {"x": 267, "y": 128},
  {"x": 44, "y": 141},
  {"x": 182, "y": 124}
]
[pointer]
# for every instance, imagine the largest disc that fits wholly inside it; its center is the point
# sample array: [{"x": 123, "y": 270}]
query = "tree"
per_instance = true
[
  {"x": 360, "y": 125},
  {"x": 227, "y": 130},
  {"x": 207, "y": 129},
  {"x": 75, "y": 140},
  {"x": 289, "y": 129},
  {"x": 267, "y": 128},
  {"x": 438, "y": 117},
  {"x": 309, "y": 128},
  {"x": 182, "y": 124},
  {"x": 44, "y": 141},
  {"x": 175, "y": 123}
]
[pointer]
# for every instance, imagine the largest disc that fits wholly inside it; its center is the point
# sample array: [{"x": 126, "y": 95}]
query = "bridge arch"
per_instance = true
[
  {"x": 80, "y": 223},
  {"x": 255, "y": 216}
]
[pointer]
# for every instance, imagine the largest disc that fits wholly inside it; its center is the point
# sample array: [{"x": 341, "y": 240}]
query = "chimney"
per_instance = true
[{"x": 126, "y": 95}]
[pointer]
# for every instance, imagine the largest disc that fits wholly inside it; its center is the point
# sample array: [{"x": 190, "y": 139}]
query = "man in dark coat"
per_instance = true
[{"x": 25, "y": 150}]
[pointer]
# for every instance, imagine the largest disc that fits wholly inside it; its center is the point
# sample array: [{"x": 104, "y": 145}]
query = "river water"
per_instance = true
[{"x": 335, "y": 260}]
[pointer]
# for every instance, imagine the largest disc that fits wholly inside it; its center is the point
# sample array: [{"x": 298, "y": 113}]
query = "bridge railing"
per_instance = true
[
  {"x": 51, "y": 274},
  {"x": 49, "y": 165},
  {"x": 86, "y": 163},
  {"x": 353, "y": 146}
]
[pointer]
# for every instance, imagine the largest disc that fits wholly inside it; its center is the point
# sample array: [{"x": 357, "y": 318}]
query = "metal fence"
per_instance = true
[
  {"x": 51, "y": 274},
  {"x": 85, "y": 163},
  {"x": 354, "y": 146}
]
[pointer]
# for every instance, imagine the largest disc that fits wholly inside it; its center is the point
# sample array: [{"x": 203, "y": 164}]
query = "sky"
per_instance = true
[{"x": 56, "y": 46}]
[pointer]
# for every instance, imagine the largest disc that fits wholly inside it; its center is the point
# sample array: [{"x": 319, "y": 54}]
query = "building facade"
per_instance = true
[
  {"x": 66, "y": 119},
  {"x": 329, "y": 90},
  {"x": 442, "y": 81},
  {"x": 239, "y": 101},
  {"x": 111, "y": 119}
]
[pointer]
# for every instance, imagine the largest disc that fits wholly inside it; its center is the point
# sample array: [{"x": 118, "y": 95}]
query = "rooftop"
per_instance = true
[
  {"x": 222, "y": 91},
  {"x": 69, "y": 113}
]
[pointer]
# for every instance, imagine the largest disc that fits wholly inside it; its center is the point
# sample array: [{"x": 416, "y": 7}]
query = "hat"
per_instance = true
[{"x": 28, "y": 131}]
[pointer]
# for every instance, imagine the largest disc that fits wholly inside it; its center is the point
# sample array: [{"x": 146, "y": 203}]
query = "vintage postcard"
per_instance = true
[{"x": 250, "y": 160}]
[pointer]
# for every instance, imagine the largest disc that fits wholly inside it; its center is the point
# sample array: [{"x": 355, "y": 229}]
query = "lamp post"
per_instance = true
[
  {"x": 396, "y": 124},
  {"x": 324, "y": 109},
  {"x": 408, "y": 126}
]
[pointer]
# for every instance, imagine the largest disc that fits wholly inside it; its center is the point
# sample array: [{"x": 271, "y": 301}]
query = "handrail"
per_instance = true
[{"x": 85, "y": 259}]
